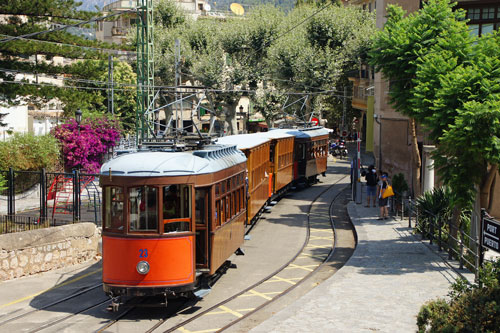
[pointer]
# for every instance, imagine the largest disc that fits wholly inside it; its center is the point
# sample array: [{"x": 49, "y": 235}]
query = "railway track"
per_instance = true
[
  {"x": 24, "y": 315},
  {"x": 315, "y": 252}
]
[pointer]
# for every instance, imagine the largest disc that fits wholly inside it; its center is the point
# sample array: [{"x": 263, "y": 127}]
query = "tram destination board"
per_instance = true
[{"x": 491, "y": 234}]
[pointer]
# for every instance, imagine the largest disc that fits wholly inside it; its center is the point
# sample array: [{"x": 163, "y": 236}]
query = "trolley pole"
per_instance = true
[{"x": 358, "y": 171}]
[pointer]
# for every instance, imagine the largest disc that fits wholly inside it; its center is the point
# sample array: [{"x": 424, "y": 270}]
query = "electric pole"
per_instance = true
[{"x": 111, "y": 86}]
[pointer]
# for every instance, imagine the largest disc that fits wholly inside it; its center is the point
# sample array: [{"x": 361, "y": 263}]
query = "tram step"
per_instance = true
[{"x": 200, "y": 293}]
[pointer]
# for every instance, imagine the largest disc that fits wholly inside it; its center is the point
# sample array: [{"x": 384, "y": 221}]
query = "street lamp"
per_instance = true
[
  {"x": 241, "y": 114},
  {"x": 78, "y": 118}
]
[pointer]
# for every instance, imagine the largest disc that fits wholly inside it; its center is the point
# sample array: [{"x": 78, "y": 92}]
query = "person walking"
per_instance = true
[
  {"x": 371, "y": 185},
  {"x": 383, "y": 202}
]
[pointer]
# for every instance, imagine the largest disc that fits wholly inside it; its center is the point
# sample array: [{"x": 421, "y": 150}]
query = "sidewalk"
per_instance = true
[{"x": 381, "y": 287}]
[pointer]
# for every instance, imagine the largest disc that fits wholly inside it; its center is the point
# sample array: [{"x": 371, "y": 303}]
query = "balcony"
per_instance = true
[
  {"x": 118, "y": 31},
  {"x": 360, "y": 92}
]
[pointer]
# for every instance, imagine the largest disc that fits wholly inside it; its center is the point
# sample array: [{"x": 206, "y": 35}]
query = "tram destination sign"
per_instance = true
[{"x": 491, "y": 234}]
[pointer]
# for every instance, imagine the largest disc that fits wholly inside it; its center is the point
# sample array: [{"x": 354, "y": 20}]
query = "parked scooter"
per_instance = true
[
  {"x": 342, "y": 149},
  {"x": 338, "y": 149}
]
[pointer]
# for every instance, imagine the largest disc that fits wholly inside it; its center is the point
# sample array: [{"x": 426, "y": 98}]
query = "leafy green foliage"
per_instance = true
[
  {"x": 471, "y": 308},
  {"x": 44, "y": 52},
  {"x": 433, "y": 207},
  {"x": 270, "y": 51},
  {"x": 3, "y": 183},
  {"x": 250, "y": 5},
  {"x": 399, "y": 185},
  {"x": 398, "y": 50},
  {"x": 26, "y": 152},
  {"x": 318, "y": 54},
  {"x": 96, "y": 101},
  {"x": 448, "y": 81},
  {"x": 167, "y": 14}
]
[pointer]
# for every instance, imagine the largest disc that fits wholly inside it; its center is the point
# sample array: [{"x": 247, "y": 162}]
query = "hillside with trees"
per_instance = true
[{"x": 40, "y": 61}]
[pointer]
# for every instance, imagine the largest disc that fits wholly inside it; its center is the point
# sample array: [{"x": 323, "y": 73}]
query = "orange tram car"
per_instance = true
[{"x": 171, "y": 219}]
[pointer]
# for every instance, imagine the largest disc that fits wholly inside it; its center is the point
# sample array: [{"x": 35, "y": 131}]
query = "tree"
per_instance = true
[
  {"x": 42, "y": 50},
  {"x": 94, "y": 73},
  {"x": 271, "y": 104},
  {"x": 399, "y": 48},
  {"x": 85, "y": 148},
  {"x": 470, "y": 308},
  {"x": 267, "y": 55},
  {"x": 449, "y": 83},
  {"x": 26, "y": 152},
  {"x": 317, "y": 55}
]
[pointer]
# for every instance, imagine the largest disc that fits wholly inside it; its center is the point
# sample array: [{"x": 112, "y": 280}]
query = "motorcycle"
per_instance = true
[{"x": 342, "y": 150}]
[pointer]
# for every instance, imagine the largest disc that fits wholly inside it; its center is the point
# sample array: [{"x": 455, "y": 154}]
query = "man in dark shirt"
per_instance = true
[{"x": 371, "y": 185}]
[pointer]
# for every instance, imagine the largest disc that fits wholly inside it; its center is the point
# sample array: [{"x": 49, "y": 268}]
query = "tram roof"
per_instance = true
[
  {"x": 244, "y": 141},
  {"x": 211, "y": 159},
  {"x": 275, "y": 134},
  {"x": 302, "y": 133}
]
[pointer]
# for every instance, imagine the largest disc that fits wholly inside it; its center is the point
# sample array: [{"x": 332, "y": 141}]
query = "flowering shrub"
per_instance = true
[{"x": 85, "y": 151}]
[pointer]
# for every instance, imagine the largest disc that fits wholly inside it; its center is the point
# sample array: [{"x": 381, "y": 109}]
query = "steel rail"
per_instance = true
[
  {"x": 52, "y": 323},
  {"x": 51, "y": 304},
  {"x": 289, "y": 289},
  {"x": 189, "y": 320}
]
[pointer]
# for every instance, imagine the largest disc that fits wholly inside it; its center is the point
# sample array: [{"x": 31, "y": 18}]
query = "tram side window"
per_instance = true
[
  {"x": 201, "y": 206},
  {"x": 143, "y": 208},
  {"x": 113, "y": 219},
  {"x": 177, "y": 208}
]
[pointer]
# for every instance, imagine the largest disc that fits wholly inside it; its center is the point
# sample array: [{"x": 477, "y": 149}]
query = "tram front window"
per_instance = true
[
  {"x": 113, "y": 217},
  {"x": 177, "y": 208},
  {"x": 143, "y": 208}
]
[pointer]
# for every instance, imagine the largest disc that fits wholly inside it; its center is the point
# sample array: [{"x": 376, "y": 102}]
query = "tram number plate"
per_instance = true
[{"x": 143, "y": 253}]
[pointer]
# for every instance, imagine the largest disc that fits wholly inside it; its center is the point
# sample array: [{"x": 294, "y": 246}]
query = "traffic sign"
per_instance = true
[
  {"x": 491, "y": 234},
  {"x": 315, "y": 121}
]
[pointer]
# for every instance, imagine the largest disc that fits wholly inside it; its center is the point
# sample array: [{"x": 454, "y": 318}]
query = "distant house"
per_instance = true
[{"x": 116, "y": 31}]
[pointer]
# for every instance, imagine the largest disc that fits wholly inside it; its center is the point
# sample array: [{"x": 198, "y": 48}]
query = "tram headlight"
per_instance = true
[{"x": 142, "y": 267}]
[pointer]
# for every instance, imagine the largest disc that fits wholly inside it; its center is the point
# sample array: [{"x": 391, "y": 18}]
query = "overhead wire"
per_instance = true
[
  {"x": 185, "y": 89},
  {"x": 62, "y": 27},
  {"x": 76, "y": 46}
]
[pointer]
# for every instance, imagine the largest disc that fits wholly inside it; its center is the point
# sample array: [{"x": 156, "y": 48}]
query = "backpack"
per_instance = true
[{"x": 371, "y": 179}]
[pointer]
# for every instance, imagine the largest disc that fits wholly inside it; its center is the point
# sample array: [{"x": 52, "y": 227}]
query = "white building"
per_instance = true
[
  {"x": 116, "y": 31},
  {"x": 27, "y": 118}
]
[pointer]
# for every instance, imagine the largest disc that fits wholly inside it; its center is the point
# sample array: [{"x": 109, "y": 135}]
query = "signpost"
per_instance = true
[
  {"x": 491, "y": 234},
  {"x": 358, "y": 171}
]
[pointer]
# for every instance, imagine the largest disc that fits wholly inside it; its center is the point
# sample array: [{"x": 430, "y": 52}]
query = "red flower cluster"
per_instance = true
[{"x": 85, "y": 151}]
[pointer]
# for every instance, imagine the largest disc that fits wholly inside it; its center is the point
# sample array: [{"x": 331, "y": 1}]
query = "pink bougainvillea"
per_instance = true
[{"x": 86, "y": 150}]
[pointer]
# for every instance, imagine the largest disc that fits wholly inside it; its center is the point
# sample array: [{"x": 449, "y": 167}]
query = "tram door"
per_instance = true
[{"x": 202, "y": 208}]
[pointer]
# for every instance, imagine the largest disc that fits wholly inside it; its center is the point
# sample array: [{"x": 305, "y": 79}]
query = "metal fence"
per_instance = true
[
  {"x": 35, "y": 199},
  {"x": 468, "y": 250},
  {"x": 459, "y": 244}
]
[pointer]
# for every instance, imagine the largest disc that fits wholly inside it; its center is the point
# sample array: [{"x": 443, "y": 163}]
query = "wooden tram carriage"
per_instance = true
[
  {"x": 310, "y": 153},
  {"x": 172, "y": 219},
  {"x": 169, "y": 217},
  {"x": 257, "y": 151}
]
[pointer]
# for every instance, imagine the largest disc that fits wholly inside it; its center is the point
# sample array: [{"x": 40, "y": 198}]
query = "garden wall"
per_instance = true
[{"x": 34, "y": 251}]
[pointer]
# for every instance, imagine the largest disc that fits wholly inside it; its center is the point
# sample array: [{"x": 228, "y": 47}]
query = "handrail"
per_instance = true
[{"x": 439, "y": 229}]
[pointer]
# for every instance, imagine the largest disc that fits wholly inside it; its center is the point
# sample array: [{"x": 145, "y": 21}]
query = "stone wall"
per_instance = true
[{"x": 34, "y": 251}]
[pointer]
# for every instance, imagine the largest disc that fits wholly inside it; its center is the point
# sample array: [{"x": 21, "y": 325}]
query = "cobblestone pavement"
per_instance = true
[{"x": 381, "y": 288}]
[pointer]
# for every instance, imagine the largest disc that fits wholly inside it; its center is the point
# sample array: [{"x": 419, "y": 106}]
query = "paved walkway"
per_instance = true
[{"x": 381, "y": 288}]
